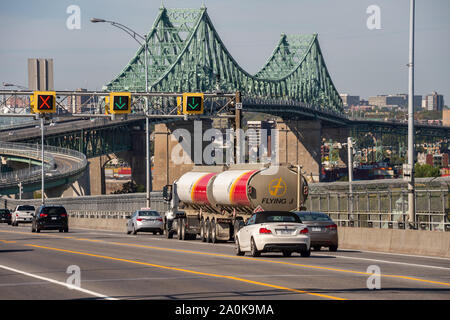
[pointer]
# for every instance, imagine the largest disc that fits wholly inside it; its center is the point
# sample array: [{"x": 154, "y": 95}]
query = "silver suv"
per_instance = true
[{"x": 22, "y": 214}]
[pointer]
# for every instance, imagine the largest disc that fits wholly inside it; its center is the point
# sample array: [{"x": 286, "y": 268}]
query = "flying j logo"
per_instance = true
[{"x": 277, "y": 187}]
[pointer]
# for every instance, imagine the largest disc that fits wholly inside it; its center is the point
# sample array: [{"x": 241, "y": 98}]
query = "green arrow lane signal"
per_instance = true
[
  {"x": 193, "y": 107},
  {"x": 193, "y": 103},
  {"x": 120, "y": 105},
  {"x": 120, "y": 102}
]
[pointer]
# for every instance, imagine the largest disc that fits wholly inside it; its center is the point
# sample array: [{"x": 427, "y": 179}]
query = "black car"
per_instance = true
[
  {"x": 5, "y": 216},
  {"x": 48, "y": 217}
]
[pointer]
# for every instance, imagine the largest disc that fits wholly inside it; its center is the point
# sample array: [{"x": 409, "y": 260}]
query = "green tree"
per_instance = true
[
  {"x": 130, "y": 187},
  {"x": 425, "y": 171}
]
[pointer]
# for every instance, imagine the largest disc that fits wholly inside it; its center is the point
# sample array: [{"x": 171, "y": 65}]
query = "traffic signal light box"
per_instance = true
[
  {"x": 193, "y": 103},
  {"x": 43, "y": 102},
  {"x": 119, "y": 102}
]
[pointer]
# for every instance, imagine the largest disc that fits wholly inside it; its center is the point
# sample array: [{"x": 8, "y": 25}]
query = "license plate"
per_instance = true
[
  {"x": 54, "y": 218},
  {"x": 284, "y": 231},
  {"x": 316, "y": 229}
]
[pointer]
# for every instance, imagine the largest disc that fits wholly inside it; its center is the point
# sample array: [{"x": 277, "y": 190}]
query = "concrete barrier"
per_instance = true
[
  {"x": 427, "y": 243},
  {"x": 99, "y": 224}
]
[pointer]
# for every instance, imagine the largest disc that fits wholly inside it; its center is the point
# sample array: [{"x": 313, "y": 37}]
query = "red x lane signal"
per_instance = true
[{"x": 45, "y": 102}]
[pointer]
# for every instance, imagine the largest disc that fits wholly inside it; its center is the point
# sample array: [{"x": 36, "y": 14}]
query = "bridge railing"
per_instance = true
[
  {"x": 32, "y": 174},
  {"x": 384, "y": 208},
  {"x": 102, "y": 207}
]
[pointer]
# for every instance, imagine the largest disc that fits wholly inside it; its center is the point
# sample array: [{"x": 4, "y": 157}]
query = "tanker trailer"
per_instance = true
[{"x": 215, "y": 201}]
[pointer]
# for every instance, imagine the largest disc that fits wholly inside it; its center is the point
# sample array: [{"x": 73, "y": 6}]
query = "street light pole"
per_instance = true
[
  {"x": 411, "y": 191},
  {"x": 134, "y": 35},
  {"x": 42, "y": 161},
  {"x": 147, "y": 131}
]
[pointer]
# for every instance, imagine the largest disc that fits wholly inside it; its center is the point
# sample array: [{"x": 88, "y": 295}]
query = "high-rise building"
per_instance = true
[
  {"x": 84, "y": 103},
  {"x": 434, "y": 102},
  {"x": 40, "y": 74},
  {"x": 394, "y": 100},
  {"x": 349, "y": 100}
]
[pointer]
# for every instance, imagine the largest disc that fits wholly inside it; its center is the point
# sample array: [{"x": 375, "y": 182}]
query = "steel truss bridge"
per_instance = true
[{"x": 186, "y": 54}]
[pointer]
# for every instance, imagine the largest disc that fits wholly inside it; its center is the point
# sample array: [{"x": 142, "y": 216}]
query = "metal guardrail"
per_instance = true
[
  {"x": 384, "y": 208},
  {"x": 105, "y": 206},
  {"x": 371, "y": 208},
  {"x": 27, "y": 176}
]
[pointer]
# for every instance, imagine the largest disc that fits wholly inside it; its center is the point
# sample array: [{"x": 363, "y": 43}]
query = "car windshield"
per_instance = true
[
  {"x": 148, "y": 214},
  {"x": 276, "y": 216},
  {"x": 3, "y": 211},
  {"x": 54, "y": 210},
  {"x": 25, "y": 208},
  {"x": 313, "y": 216}
]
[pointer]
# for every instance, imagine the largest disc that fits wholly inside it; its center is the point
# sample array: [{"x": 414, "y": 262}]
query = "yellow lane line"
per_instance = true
[
  {"x": 189, "y": 271},
  {"x": 247, "y": 258},
  {"x": 279, "y": 262}
]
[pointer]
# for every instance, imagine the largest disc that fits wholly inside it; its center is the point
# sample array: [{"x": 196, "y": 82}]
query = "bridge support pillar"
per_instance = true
[
  {"x": 299, "y": 142},
  {"x": 168, "y": 150},
  {"x": 338, "y": 134},
  {"x": 97, "y": 181}
]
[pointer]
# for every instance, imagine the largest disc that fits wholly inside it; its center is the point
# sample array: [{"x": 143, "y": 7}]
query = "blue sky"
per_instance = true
[{"x": 361, "y": 61}]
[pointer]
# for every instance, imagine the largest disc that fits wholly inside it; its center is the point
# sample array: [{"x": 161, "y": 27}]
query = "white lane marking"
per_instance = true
[
  {"x": 384, "y": 261},
  {"x": 397, "y": 254},
  {"x": 58, "y": 283}
]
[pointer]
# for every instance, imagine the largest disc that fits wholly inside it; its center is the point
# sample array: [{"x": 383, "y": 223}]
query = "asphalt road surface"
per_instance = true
[{"x": 146, "y": 266}]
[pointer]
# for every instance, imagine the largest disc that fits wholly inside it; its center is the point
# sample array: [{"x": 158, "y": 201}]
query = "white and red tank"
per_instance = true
[{"x": 272, "y": 188}]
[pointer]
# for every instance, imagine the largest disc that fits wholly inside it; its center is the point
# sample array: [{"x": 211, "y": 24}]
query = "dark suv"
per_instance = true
[
  {"x": 5, "y": 216},
  {"x": 48, "y": 217}
]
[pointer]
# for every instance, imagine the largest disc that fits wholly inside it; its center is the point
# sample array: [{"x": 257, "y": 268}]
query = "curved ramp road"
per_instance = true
[{"x": 118, "y": 266}]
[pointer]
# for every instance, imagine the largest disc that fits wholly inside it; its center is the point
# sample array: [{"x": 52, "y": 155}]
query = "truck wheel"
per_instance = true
[
  {"x": 202, "y": 230},
  {"x": 178, "y": 229},
  {"x": 213, "y": 232},
  {"x": 287, "y": 253},
  {"x": 208, "y": 231},
  {"x": 169, "y": 233},
  {"x": 183, "y": 230}
]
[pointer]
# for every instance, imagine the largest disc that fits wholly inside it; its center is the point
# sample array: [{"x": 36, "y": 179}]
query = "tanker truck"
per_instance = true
[{"x": 214, "y": 202}]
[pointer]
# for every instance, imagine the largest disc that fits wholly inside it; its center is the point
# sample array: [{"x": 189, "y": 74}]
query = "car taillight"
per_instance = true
[
  {"x": 159, "y": 219},
  {"x": 264, "y": 230},
  {"x": 44, "y": 215},
  {"x": 331, "y": 227},
  {"x": 304, "y": 230},
  {"x": 63, "y": 215},
  {"x": 138, "y": 219}
]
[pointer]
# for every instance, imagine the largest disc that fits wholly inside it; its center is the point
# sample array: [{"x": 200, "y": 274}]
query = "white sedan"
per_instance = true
[{"x": 270, "y": 231}]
